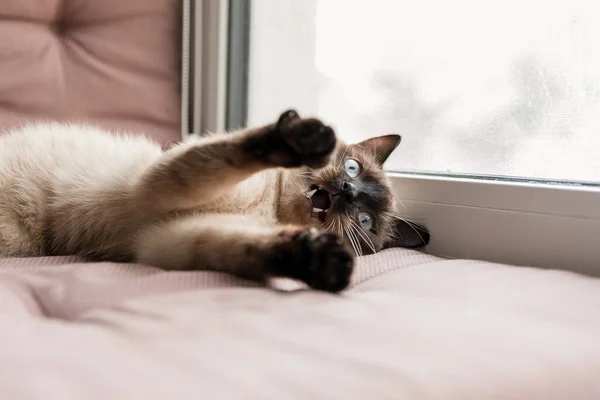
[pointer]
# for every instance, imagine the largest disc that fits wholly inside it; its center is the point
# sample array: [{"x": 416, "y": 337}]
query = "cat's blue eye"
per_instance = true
[
  {"x": 365, "y": 221},
  {"x": 352, "y": 168}
]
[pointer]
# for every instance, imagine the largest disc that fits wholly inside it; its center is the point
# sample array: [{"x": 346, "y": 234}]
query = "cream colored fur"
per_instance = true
[
  {"x": 75, "y": 178},
  {"x": 85, "y": 185}
]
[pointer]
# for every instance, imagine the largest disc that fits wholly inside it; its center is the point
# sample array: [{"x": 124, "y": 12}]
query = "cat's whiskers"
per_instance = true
[
  {"x": 412, "y": 224},
  {"x": 351, "y": 242},
  {"x": 402, "y": 217},
  {"x": 328, "y": 225},
  {"x": 327, "y": 175},
  {"x": 339, "y": 227},
  {"x": 311, "y": 172},
  {"x": 342, "y": 159},
  {"x": 354, "y": 240},
  {"x": 357, "y": 240},
  {"x": 307, "y": 175},
  {"x": 359, "y": 232},
  {"x": 364, "y": 235},
  {"x": 334, "y": 226}
]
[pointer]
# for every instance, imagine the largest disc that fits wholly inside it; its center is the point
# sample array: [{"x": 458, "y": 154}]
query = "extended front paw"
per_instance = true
[
  {"x": 310, "y": 140},
  {"x": 318, "y": 258},
  {"x": 295, "y": 142},
  {"x": 332, "y": 264}
]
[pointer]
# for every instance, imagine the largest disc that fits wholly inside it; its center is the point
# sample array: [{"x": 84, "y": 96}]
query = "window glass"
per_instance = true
[{"x": 474, "y": 87}]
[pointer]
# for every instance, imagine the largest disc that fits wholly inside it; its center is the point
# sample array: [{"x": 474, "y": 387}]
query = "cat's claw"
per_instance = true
[{"x": 286, "y": 117}]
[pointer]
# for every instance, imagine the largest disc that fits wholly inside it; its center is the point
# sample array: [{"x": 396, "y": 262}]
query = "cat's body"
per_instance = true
[
  {"x": 216, "y": 203},
  {"x": 71, "y": 189}
]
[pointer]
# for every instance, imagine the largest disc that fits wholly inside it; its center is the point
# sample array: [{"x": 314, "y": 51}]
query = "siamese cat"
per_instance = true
[{"x": 286, "y": 199}]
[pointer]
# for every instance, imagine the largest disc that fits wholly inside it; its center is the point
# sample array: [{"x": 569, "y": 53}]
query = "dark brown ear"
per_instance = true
[
  {"x": 381, "y": 146},
  {"x": 408, "y": 234}
]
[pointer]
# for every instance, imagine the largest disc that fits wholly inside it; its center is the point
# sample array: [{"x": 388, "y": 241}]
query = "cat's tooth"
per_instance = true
[
  {"x": 317, "y": 210},
  {"x": 310, "y": 194}
]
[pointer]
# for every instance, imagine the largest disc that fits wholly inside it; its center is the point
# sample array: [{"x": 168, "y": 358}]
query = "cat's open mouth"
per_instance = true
[{"x": 321, "y": 201}]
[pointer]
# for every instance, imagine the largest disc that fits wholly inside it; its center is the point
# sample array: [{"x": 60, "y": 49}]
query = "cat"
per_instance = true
[{"x": 287, "y": 199}]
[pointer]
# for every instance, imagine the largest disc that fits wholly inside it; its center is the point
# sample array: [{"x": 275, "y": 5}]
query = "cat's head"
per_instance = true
[{"x": 353, "y": 197}]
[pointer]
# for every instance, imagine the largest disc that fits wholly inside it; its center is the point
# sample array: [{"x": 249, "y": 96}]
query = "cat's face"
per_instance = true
[{"x": 352, "y": 196}]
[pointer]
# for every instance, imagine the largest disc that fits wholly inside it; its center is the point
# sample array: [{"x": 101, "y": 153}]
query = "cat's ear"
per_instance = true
[
  {"x": 381, "y": 146},
  {"x": 408, "y": 234}
]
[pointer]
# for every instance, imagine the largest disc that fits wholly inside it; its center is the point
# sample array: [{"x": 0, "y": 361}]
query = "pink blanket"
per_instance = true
[{"x": 412, "y": 326}]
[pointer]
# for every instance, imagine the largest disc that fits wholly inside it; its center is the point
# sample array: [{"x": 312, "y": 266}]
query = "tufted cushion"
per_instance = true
[{"x": 110, "y": 62}]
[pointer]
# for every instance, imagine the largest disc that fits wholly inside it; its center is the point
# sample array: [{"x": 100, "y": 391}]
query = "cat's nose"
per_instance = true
[{"x": 349, "y": 192}]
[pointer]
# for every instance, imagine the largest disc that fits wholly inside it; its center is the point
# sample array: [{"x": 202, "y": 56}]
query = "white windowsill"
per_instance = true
[{"x": 530, "y": 224}]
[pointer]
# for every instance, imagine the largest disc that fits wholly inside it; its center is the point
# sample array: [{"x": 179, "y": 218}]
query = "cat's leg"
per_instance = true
[
  {"x": 248, "y": 248},
  {"x": 200, "y": 172}
]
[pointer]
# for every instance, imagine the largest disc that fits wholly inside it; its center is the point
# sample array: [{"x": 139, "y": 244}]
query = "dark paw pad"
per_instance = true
[
  {"x": 320, "y": 259},
  {"x": 294, "y": 142},
  {"x": 311, "y": 140},
  {"x": 332, "y": 264}
]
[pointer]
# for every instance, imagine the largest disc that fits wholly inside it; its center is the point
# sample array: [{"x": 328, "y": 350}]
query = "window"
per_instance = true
[
  {"x": 489, "y": 88},
  {"x": 498, "y": 104}
]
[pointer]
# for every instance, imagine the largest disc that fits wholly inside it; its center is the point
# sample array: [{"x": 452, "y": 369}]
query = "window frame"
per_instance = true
[
  {"x": 529, "y": 223},
  {"x": 515, "y": 221},
  {"x": 205, "y": 58}
]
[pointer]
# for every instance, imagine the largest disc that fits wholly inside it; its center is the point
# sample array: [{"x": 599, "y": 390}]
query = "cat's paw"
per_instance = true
[
  {"x": 295, "y": 142},
  {"x": 321, "y": 260},
  {"x": 310, "y": 139},
  {"x": 331, "y": 265}
]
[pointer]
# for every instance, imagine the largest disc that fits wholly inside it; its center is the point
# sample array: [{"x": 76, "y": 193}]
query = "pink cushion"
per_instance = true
[
  {"x": 111, "y": 62},
  {"x": 412, "y": 327}
]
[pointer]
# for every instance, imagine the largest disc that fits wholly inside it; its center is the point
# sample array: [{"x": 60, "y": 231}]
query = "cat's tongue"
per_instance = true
[{"x": 320, "y": 199}]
